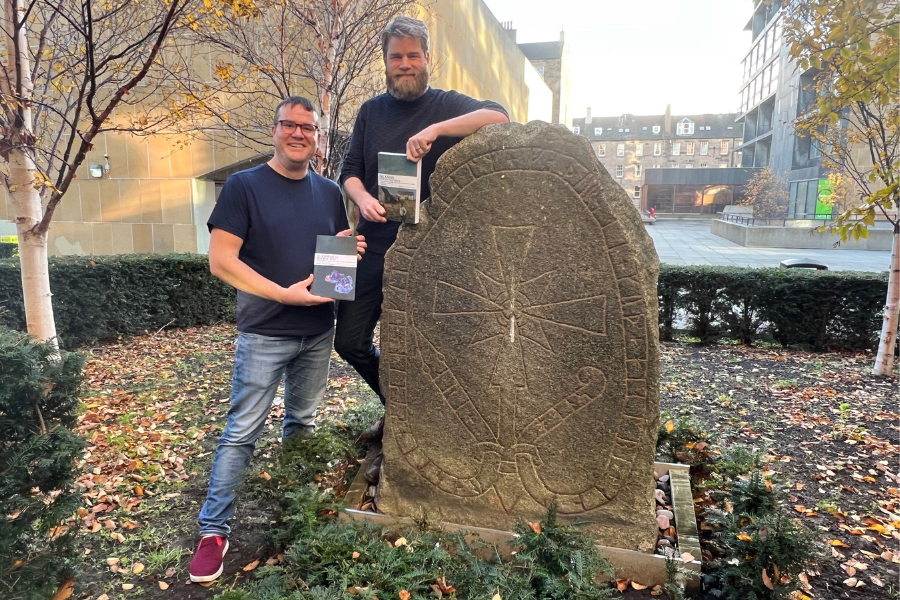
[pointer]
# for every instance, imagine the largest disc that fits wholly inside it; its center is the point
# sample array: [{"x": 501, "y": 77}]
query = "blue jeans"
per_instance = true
[
  {"x": 354, "y": 338},
  {"x": 260, "y": 364}
]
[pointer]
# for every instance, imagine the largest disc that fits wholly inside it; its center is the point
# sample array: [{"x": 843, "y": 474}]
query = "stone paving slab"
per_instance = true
[{"x": 688, "y": 242}]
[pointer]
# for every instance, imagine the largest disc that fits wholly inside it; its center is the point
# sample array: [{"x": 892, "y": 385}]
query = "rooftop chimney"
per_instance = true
[
  {"x": 562, "y": 37},
  {"x": 587, "y": 117}
]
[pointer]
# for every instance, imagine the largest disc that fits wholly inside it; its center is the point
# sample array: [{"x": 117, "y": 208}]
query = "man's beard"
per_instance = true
[{"x": 408, "y": 88}]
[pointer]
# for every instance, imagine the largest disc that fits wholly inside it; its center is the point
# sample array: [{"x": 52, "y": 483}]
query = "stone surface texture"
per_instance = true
[{"x": 519, "y": 343}]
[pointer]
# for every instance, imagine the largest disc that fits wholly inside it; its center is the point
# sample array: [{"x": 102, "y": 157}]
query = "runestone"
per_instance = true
[{"x": 520, "y": 345}]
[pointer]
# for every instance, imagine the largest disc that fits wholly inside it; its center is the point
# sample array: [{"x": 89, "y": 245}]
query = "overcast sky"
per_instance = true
[{"x": 636, "y": 56}]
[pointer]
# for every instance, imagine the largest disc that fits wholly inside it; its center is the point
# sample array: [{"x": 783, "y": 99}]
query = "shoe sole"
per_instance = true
[{"x": 214, "y": 576}]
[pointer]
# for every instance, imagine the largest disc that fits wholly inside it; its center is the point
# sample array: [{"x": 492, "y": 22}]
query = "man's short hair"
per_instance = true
[
  {"x": 292, "y": 101},
  {"x": 405, "y": 27}
]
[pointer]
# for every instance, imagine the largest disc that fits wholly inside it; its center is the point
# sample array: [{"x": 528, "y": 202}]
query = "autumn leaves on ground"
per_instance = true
[{"x": 154, "y": 406}]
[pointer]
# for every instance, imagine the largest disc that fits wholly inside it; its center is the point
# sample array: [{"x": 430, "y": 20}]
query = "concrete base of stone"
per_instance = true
[
  {"x": 801, "y": 235},
  {"x": 646, "y": 569}
]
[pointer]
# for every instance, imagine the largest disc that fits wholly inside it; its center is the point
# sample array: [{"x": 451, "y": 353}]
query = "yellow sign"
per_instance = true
[{"x": 9, "y": 239}]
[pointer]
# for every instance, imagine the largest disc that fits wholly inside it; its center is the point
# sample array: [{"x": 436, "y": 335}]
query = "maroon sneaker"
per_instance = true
[{"x": 207, "y": 562}]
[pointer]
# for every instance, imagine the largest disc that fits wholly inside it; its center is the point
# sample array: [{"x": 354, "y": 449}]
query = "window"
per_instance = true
[
  {"x": 689, "y": 148},
  {"x": 656, "y": 166},
  {"x": 601, "y": 149},
  {"x": 673, "y": 166},
  {"x": 656, "y": 129},
  {"x": 637, "y": 170},
  {"x": 685, "y": 127},
  {"x": 638, "y": 148},
  {"x": 657, "y": 149},
  {"x": 689, "y": 166},
  {"x": 702, "y": 165},
  {"x": 620, "y": 149},
  {"x": 645, "y": 128},
  {"x": 704, "y": 148},
  {"x": 676, "y": 148},
  {"x": 540, "y": 71},
  {"x": 576, "y": 130},
  {"x": 724, "y": 147},
  {"x": 723, "y": 166},
  {"x": 598, "y": 131},
  {"x": 620, "y": 171},
  {"x": 636, "y": 194},
  {"x": 627, "y": 130},
  {"x": 620, "y": 130}
]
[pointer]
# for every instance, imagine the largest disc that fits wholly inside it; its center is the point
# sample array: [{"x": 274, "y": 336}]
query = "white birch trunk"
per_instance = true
[
  {"x": 26, "y": 200},
  {"x": 884, "y": 362}
]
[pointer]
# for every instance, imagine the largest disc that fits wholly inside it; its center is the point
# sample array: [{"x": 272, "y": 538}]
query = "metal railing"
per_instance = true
[{"x": 765, "y": 221}]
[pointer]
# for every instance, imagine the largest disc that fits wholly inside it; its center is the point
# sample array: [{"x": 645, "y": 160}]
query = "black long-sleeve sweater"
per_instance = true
[{"x": 385, "y": 124}]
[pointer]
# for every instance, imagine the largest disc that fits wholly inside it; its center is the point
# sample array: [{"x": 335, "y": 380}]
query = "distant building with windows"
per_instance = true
[
  {"x": 773, "y": 95},
  {"x": 629, "y": 146}
]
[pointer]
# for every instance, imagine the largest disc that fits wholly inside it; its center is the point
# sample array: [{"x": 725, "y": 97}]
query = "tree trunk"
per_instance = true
[
  {"x": 26, "y": 199},
  {"x": 32, "y": 248},
  {"x": 884, "y": 362}
]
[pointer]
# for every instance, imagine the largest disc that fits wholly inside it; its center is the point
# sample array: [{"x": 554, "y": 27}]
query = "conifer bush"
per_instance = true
[{"x": 38, "y": 453}]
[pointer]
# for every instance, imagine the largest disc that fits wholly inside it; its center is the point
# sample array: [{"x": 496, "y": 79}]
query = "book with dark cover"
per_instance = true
[
  {"x": 334, "y": 267},
  {"x": 399, "y": 187}
]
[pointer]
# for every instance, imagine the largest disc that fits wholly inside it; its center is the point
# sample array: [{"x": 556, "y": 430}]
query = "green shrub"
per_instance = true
[
  {"x": 107, "y": 296},
  {"x": 678, "y": 439},
  {"x": 38, "y": 403},
  {"x": 818, "y": 309},
  {"x": 8, "y": 250}
]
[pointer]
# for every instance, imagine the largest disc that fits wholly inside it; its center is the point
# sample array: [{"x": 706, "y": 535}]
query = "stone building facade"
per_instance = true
[
  {"x": 551, "y": 59},
  {"x": 629, "y": 145},
  {"x": 158, "y": 191}
]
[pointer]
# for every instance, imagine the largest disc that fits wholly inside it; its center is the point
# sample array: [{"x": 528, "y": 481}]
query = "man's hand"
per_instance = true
[
  {"x": 370, "y": 208},
  {"x": 420, "y": 144},
  {"x": 298, "y": 294},
  {"x": 360, "y": 243}
]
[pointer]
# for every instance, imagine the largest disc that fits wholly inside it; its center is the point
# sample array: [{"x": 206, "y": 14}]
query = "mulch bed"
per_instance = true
[{"x": 155, "y": 405}]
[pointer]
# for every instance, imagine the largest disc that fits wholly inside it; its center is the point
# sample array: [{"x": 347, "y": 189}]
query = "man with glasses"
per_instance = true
[
  {"x": 424, "y": 123},
  {"x": 263, "y": 240}
]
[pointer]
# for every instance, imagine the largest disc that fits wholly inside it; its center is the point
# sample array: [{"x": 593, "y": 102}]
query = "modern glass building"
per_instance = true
[{"x": 773, "y": 94}]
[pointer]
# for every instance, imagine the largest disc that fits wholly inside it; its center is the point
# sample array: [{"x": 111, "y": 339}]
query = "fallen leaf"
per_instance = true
[
  {"x": 65, "y": 590},
  {"x": 850, "y": 570},
  {"x": 401, "y": 541},
  {"x": 638, "y": 586},
  {"x": 102, "y": 597},
  {"x": 163, "y": 585},
  {"x": 170, "y": 572},
  {"x": 265, "y": 476},
  {"x": 744, "y": 537},
  {"x": 127, "y": 586},
  {"x": 112, "y": 561},
  {"x": 622, "y": 584},
  {"x": 800, "y": 486},
  {"x": 355, "y": 555},
  {"x": 687, "y": 557},
  {"x": 117, "y": 536},
  {"x": 404, "y": 595},
  {"x": 838, "y": 543},
  {"x": 496, "y": 597},
  {"x": 766, "y": 581},
  {"x": 535, "y": 527},
  {"x": 670, "y": 426},
  {"x": 850, "y": 582},
  {"x": 252, "y": 565},
  {"x": 877, "y": 581},
  {"x": 138, "y": 567},
  {"x": 274, "y": 560}
]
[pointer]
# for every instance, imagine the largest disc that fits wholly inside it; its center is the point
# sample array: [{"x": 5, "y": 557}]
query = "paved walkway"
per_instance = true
[{"x": 686, "y": 242}]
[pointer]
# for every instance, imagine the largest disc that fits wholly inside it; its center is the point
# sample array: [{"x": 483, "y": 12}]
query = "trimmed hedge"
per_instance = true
[
  {"x": 102, "y": 297},
  {"x": 793, "y": 307}
]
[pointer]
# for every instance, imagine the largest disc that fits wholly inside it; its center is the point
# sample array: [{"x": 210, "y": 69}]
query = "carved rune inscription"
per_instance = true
[{"x": 518, "y": 346}]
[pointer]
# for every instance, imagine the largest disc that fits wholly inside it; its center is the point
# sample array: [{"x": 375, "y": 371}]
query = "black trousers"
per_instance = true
[{"x": 354, "y": 337}]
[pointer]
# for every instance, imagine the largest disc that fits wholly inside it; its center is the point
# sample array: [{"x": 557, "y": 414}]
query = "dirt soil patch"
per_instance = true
[
  {"x": 832, "y": 430},
  {"x": 154, "y": 406}
]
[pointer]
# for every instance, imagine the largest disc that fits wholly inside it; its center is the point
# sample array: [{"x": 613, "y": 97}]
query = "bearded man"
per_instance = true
[{"x": 424, "y": 123}]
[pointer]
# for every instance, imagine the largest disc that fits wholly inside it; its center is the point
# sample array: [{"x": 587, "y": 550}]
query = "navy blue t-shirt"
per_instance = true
[
  {"x": 385, "y": 124},
  {"x": 279, "y": 218}
]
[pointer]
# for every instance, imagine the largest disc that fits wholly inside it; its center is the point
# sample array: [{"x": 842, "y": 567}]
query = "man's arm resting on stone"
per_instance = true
[
  {"x": 461, "y": 126},
  {"x": 225, "y": 264},
  {"x": 369, "y": 206}
]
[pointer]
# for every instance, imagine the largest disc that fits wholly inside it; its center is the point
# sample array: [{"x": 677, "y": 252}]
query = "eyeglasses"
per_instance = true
[{"x": 289, "y": 127}]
